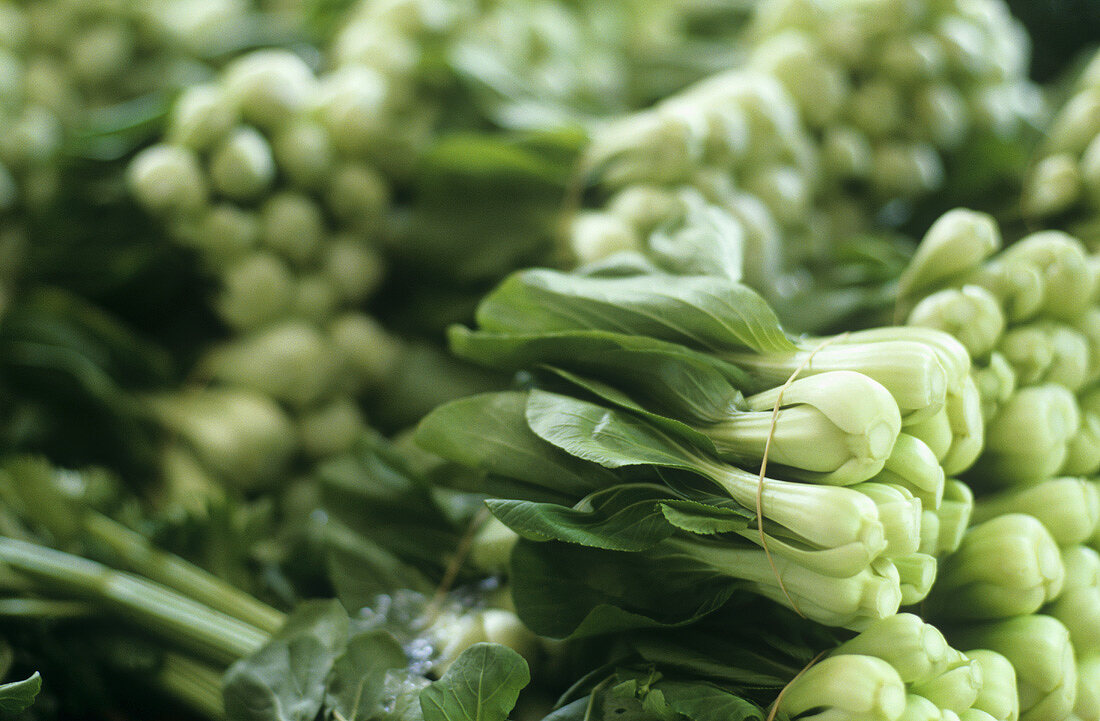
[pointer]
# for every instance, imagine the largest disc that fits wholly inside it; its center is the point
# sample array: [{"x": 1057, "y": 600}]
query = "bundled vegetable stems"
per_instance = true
[
  {"x": 1023, "y": 580},
  {"x": 1062, "y": 183},
  {"x": 649, "y": 378},
  {"x": 205, "y": 628}
]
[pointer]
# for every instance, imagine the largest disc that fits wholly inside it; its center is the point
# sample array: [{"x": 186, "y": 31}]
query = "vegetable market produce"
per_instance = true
[
  {"x": 638, "y": 376},
  {"x": 1061, "y": 184},
  {"x": 1025, "y": 315},
  {"x": 469, "y": 360},
  {"x": 893, "y": 89}
]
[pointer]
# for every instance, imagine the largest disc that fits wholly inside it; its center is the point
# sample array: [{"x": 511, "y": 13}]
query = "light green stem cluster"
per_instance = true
[
  {"x": 891, "y": 89},
  {"x": 900, "y": 669},
  {"x": 1063, "y": 185},
  {"x": 1027, "y": 315},
  {"x": 268, "y": 173}
]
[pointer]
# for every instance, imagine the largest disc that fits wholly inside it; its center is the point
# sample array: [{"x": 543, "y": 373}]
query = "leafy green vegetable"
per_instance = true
[
  {"x": 17, "y": 696},
  {"x": 489, "y": 433},
  {"x": 356, "y": 685},
  {"x": 483, "y": 684},
  {"x": 680, "y": 380},
  {"x": 700, "y": 312},
  {"x": 285, "y": 680},
  {"x": 562, "y": 590},
  {"x": 624, "y": 518}
]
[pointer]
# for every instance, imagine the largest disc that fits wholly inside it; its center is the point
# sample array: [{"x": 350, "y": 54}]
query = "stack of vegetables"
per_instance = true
[
  {"x": 708, "y": 181},
  {"x": 257, "y": 175},
  {"x": 197, "y": 628},
  {"x": 1025, "y": 315},
  {"x": 893, "y": 89},
  {"x": 658, "y": 378},
  {"x": 1063, "y": 182},
  {"x": 903, "y": 668},
  {"x": 670, "y": 506}
]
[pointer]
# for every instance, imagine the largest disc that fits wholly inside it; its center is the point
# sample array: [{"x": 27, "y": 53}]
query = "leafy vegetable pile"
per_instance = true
[{"x": 471, "y": 360}]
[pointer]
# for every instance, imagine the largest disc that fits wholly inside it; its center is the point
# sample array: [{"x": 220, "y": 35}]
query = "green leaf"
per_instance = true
[
  {"x": 17, "y": 696},
  {"x": 360, "y": 568},
  {"x": 704, "y": 519},
  {"x": 460, "y": 232},
  {"x": 616, "y": 397},
  {"x": 356, "y": 685},
  {"x": 704, "y": 702},
  {"x": 482, "y": 684},
  {"x": 575, "y": 711},
  {"x": 706, "y": 313},
  {"x": 611, "y": 438},
  {"x": 285, "y": 680},
  {"x": 374, "y": 493},
  {"x": 489, "y": 432},
  {"x": 706, "y": 240},
  {"x": 563, "y": 590},
  {"x": 625, "y": 518},
  {"x": 617, "y": 358}
]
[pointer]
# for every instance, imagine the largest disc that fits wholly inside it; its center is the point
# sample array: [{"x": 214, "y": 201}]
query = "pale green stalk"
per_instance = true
[
  {"x": 1026, "y": 440},
  {"x": 913, "y": 465},
  {"x": 899, "y": 512},
  {"x": 150, "y": 605},
  {"x": 1007, "y": 566},
  {"x": 915, "y": 649},
  {"x": 846, "y": 688},
  {"x": 942, "y": 529},
  {"x": 998, "y": 696},
  {"x": 916, "y": 573},
  {"x": 971, "y": 314},
  {"x": 996, "y": 382},
  {"x": 957, "y": 243},
  {"x": 825, "y": 516},
  {"x": 1079, "y": 610},
  {"x": 1040, "y": 650},
  {"x": 934, "y": 432},
  {"x": 918, "y": 708},
  {"x": 1068, "y": 507},
  {"x": 851, "y": 602},
  {"x": 1062, "y": 262},
  {"x": 964, "y": 412},
  {"x": 955, "y": 689},
  {"x": 142, "y": 557},
  {"x": 1087, "y": 705},
  {"x": 1083, "y": 448},
  {"x": 195, "y": 684},
  {"x": 835, "y": 428},
  {"x": 910, "y": 370}
]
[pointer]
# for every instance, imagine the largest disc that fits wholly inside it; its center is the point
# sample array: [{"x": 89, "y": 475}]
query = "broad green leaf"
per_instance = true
[
  {"x": 373, "y": 492},
  {"x": 460, "y": 231},
  {"x": 360, "y": 568},
  {"x": 356, "y": 685},
  {"x": 705, "y": 313},
  {"x": 616, "y": 397},
  {"x": 706, "y": 240},
  {"x": 606, "y": 354},
  {"x": 285, "y": 680},
  {"x": 563, "y": 590},
  {"x": 17, "y": 696},
  {"x": 754, "y": 644},
  {"x": 611, "y": 438},
  {"x": 482, "y": 684},
  {"x": 575, "y": 711},
  {"x": 673, "y": 379},
  {"x": 700, "y": 518},
  {"x": 625, "y": 518},
  {"x": 705, "y": 702},
  {"x": 489, "y": 432}
]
